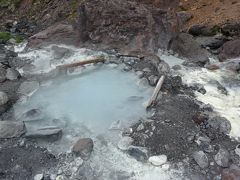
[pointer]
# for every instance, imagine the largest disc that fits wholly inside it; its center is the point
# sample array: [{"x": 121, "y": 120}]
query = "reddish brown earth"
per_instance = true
[{"x": 211, "y": 12}]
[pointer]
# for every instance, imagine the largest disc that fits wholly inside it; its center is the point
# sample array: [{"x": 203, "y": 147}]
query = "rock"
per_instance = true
[
  {"x": 12, "y": 74},
  {"x": 125, "y": 143},
  {"x": 231, "y": 29},
  {"x": 143, "y": 82},
  {"x": 163, "y": 68},
  {"x": 3, "y": 98},
  {"x": 11, "y": 129},
  {"x": 222, "y": 158},
  {"x": 158, "y": 160},
  {"x": 201, "y": 159},
  {"x": 187, "y": 47},
  {"x": 202, "y": 30},
  {"x": 2, "y": 74},
  {"x": 230, "y": 50},
  {"x": 28, "y": 88},
  {"x": 220, "y": 124},
  {"x": 184, "y": 17},
  {"x": 213, "y": 42},
  {"x": 233, "y": 65},
  {"x": 139, "y": 153},
  {"x": 83, "y": 148},
  {"x": 32, "y": 115},
  {"x": 60, "y": 52},
  {"x": 140, "y": 74},
  {"x": 49, "y": 133},
  {"x": 237, "y": 150},
  {"x": 38, "y": 177},
  {"x": 53, "y": 34},
  {"x": 233, "y": 173},
  {"x": 176, "y": 67},
  {"x": 153, "y": 80}
]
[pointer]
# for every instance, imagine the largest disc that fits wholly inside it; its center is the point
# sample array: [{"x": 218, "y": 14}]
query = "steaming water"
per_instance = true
[
  {"x": 87, "y": 103},
  {"x": 90, "y": 101}
]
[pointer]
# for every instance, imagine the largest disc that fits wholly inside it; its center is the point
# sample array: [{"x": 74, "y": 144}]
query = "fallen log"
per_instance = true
[
  {"x": 156, "y": 91},
  {"x": 81, "y": 63}
]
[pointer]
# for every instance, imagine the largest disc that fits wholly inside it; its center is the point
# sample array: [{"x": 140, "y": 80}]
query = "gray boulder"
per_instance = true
[
  {"x": 220, "y": 124},
  {"x": 188, "y": 48},
  {"x": 222, "y": 158},
  {"x": 12, "y": 74},
  {"x": 139, "y": 153},
  {"x": 83, "y": 148},
  {"x": 32, "y": 115},
  {"x": 11, "y": 129},
  {"x": 201, "y": 159},
  {"x": 3, "y": 98}
]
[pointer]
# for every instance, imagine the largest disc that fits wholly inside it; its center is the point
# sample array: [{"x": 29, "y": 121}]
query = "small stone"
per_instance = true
[
  {"x": 146, "y": 70},
  {"x": 139, "y": 153},
  {"x": 201, "y": 159},
  {"x": 12, "y": 41},
  {"x": 11, "y": 129},
  {"x": 3, "y": 98},
  {"x": 153, "y": 80},
  {"x": 83, "y": 148},
  {"x": 2, "y": 73},
  {"x": 140, "y": 74},
  {"x": 158, "y": 160},
  {"x": 176, "y": 67},
  {"x": 61, "y": 177},
  {"x": 125, "y": 143},
  {"x": 38, "y": 177},
  {"x": 237, "y": 150},
  {"x": 12, "y": 74},
  {"x": 222, "y": 158},
  {"x": 140, "y": 127},
  {"x": 143, "y": 82}
]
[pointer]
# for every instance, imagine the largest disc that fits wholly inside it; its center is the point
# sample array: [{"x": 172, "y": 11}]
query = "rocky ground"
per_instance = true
[{"x": 181, "y": 128}]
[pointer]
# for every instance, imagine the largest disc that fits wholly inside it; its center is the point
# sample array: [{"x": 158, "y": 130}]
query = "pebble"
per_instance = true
[
  {"x": 3, "y": 98},
  {"x": 38, "y": 177},
  {"x": 201, "y": 159},
  {"x": 139, "y": 153},
  {"x": 222, "y": 158},
  {"x": 158, "y": 160},
  {"x": 237, "y": 150}
]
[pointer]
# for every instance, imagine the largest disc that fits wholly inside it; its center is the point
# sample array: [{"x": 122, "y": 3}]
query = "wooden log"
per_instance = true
[
  {"x": 81, "y": 63},
  {"x": 156, "y": 91}
]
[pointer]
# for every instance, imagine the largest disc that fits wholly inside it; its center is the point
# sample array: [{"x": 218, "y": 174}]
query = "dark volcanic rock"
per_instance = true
[
  {"x": 230, "y": 50},
  {"x": 213, "y": 42},
  {"x": 188, "y": 48},
  {"x": 220, "y": 125}
]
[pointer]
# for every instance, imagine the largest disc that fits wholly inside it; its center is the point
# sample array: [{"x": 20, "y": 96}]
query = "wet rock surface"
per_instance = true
[
  {"x": 11, "y": 129},
  {"x": 83, "y": 148}
]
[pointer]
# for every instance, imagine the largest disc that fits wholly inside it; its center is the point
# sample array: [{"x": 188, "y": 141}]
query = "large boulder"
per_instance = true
[
  {"x": 230, "y": 50},
  {"x": 188, "y": 48},
  {"x": 11, "y": 129},
  {"x": 126, "y": 25}
]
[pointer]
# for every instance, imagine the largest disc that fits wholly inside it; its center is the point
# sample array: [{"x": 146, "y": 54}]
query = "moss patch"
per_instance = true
[{"x": 5, "y": 36}]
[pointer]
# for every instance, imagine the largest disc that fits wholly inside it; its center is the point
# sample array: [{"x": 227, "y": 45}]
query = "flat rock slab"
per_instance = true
[
  {"x": 11, "y": 129},
  {"x": 53, "y": 133}
]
